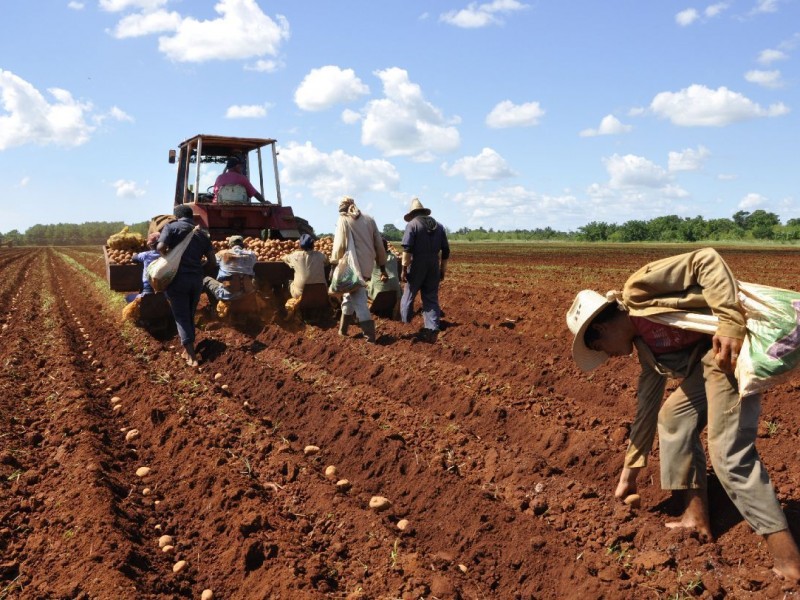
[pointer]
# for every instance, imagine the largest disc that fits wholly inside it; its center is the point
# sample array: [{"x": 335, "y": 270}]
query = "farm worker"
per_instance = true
[
  {"x": 425, "y": 255},
  {"x": 358, "y": 229},
  {"x": 132, "y": 310},
  {"x": 146, "y": 258},
  {"x": 184, "y": 290},
  {"x": 308, "y": 265},
  {"x": 377, "y": 284},
  {"x": 232, "y": 175},
  {"x": 699, "y": 281},
  {"x": 236, "y": 272}
]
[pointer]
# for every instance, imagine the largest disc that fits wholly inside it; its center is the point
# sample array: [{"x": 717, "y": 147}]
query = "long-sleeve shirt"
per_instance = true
[
  {"x": 308, "y": 266},
  {"x": 367, "y": 240},
  {"x": 698, "y": 281}
]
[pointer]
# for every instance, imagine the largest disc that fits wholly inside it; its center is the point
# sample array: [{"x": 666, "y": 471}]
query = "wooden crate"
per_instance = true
[{"x": 123, "y": 278}]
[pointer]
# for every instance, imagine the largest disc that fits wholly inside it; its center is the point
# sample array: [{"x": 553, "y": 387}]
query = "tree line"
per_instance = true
[{"x": 744, "y": 225}]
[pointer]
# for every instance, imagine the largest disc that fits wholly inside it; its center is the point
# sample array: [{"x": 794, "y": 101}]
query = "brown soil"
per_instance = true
[{"x": 499, "y": 453}]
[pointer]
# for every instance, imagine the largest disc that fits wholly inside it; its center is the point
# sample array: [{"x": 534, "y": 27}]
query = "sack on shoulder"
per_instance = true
[
  {"x": 345, "y": 277},
  {"x": 162, "y": 270}
]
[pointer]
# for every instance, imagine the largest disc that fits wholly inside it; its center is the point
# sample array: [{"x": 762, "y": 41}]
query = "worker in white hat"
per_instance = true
[{"x": 699, "y": 281}]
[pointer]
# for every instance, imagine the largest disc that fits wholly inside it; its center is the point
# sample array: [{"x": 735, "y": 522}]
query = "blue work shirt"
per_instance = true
[{"x": 200, "y": 246}]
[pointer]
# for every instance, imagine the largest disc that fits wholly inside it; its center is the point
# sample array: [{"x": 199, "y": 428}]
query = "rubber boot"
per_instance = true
[
  {"x": 344, "y": 323},
  {"x": 369, "y": 330}
]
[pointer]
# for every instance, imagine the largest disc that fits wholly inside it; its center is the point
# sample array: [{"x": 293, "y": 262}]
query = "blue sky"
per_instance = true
[{"x": 504, "y": 114}]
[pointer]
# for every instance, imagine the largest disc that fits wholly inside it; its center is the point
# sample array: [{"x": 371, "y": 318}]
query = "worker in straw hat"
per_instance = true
[
  {"x": 424, "y": 264},
  {"x": 358, "y": 232},
  {"x": 612, "y": 325}
]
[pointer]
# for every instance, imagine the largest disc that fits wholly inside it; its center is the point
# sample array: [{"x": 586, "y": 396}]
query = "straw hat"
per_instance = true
[
  {"x": 587, "y": 305},
  {"x": 416, "y": 209}
]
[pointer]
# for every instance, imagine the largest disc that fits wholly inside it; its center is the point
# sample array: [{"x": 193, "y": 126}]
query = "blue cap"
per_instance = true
[{"x": 306, "y": 242}]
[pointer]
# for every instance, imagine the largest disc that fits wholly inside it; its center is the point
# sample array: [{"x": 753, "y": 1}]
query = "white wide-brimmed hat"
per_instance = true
[
  {"x": 587, "y": 305},
  {"x": 416, "y": 209}
]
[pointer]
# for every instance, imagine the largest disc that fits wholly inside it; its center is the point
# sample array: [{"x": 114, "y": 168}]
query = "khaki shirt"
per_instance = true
[{"x": 309, "y": 267}]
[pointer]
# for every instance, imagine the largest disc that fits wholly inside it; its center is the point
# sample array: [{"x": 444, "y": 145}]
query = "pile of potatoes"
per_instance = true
[
  {"x": 122, "y": 257},
  {"x": 123, "y": 245},
  {"x": 275, "y": 250}
]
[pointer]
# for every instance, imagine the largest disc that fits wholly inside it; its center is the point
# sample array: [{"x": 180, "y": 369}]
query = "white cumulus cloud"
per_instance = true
[
  {"x": 687, "y": 17},
  {"x": 265, "y": 65},
  {"x": 766, "y": 6},
  {"x": 751, "y": 201},
  {"x": 689, "y": 159},
  {"x": 699, "y": 106},
  {"x": 120, "y": 5},
  {"x": 28, "y": 118},
  {"x": 404, "y": 123},
  {"x": 76, "y": 5},
  {"x": 508, "y": 114},
  {"x": 246, "y": 111},
  {"x": 769, "y": 56},
  {"x": 635, "y": 171},
  {"x": 328, "y": 176},
  {"x": 768, "y": 79},
  {"x": 481, "y": 15},
  {"x": 127, "y": 189},
  {"x": 148, "y": 23},
  {"x": 328, "y": 85},
  {"x": 242, "y": 31},
  {"x": 487, "y": 165},
  {"x": 515, "y": 207},
  {"x": 350, "y": 116},
  {"x": 609, "y": 125},
  {"x": 714, "y": 10}
]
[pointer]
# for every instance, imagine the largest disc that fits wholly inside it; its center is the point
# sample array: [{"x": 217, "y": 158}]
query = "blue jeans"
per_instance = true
[
  {"x": 183, "y": 295},
  {"x": 423, "y": 277}
]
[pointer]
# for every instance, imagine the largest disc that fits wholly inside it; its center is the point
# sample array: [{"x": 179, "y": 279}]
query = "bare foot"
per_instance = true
[
  {"x": 695, "y": 516},
  {"x": 703, "y": 530},
  {"x": 785, "y": 556}
]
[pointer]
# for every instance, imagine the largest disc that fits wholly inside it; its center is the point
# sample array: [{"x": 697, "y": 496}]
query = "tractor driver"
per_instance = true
[{"x": 232, "y": 175}]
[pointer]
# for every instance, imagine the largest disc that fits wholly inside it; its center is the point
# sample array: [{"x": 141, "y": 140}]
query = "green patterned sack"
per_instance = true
[{"x": 772, "y": 346}]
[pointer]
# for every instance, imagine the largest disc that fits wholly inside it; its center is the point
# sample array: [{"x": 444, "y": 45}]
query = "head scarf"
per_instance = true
[{"x": 347, "y": 207}]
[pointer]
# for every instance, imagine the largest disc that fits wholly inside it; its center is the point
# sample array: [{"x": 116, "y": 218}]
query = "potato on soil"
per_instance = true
[{"x": 379, "y": 503}]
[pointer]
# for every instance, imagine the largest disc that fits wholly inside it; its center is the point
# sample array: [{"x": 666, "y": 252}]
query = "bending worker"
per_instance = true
[{"x": 707, "y": 396}]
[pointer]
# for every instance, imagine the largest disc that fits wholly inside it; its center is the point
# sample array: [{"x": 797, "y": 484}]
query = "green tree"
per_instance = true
[
  {"x": 392, "y": 233},
  {"x": 761, "y": 224}
]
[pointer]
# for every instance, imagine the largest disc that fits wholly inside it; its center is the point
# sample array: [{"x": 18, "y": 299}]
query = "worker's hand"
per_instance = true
[
  {"x": 726, "y": 352},
  {"x": 384, "y": 277},
  {"x": 627, "y": 483},
  {"x": 404, "y": 274}
]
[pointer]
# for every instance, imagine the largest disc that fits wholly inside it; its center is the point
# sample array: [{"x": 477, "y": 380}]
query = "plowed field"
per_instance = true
[{"x": 498, "y": 453}]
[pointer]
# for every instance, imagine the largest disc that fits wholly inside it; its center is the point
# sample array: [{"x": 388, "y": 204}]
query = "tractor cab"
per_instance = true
[{"x": 203, "y": 158}]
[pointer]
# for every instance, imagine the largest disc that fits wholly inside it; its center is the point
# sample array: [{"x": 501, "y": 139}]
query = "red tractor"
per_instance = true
[{"x": 200, "y": 159}]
